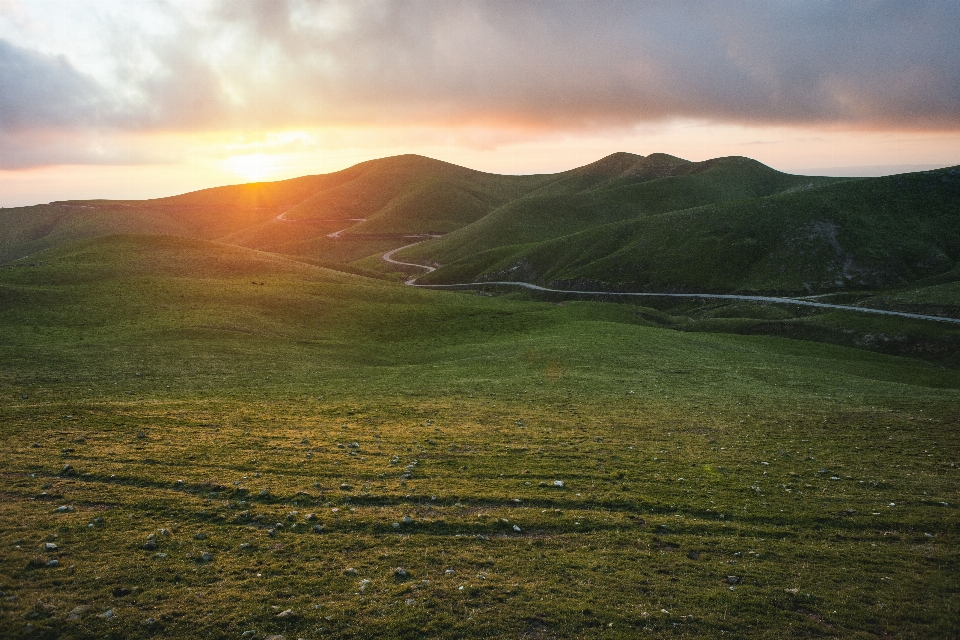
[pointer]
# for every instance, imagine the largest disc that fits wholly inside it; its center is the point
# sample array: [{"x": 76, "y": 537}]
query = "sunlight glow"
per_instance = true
[{"x": 254, "y": 166}]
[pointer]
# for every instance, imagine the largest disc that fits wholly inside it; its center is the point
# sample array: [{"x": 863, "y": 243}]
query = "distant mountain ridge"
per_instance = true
[{"x": 626, "y": 222}]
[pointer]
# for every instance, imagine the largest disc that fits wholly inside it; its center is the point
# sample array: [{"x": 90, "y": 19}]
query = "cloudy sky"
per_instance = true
[{"x": 140, "y": 98}]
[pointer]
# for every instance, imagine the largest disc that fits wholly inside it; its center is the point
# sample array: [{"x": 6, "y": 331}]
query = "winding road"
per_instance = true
[{"x": 388, "y": 257}]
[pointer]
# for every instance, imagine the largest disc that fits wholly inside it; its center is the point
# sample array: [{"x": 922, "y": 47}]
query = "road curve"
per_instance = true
[
  {"x": 388, "y": 257},
  {"x": 709, "y": 296}
]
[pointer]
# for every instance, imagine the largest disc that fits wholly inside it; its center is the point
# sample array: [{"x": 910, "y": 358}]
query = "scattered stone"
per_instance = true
[
  {"x": 149, "y": 622},
  {"x": 272, "y": 533},
  {"x": 311, "y": 517},
  {"x": 411, "y": 601},
  {"x": 318, "y": 528},
  {"x": 246, "y": 545},
  {"x": 275, "y": 637},
  {"x": 265, "y": 493},
  {"x": 407, "y": 520},
  {"x": 106, "y": 614},
  {"x": 150, "y": 545},
  {"x": 287, "y": 613},
  {"x": 161, "y": 555},
  {"x": 178, "y": 484},
  {"x": 516, "y": 528},
  {"x": 249, "y": 633},
  {"x": 396, "y": 525},
  {"x": 364, "y": 584},
  {"x": 77, "y": 612},
  {"x": 481, "y": 537},
  {"x": 53, "y": 563},
  {"x": 67, "y": 470},
  {"x": 65, "y": 508},
  {"x": 449, "y": 572},
  {"x": 558, "y": 483},
  {"x": 206, "y": 556},
  {"x": 350, "y": 571},
  {"x": 795, "y": 590},
  {"x": 164, "y": 532},
  {"x": 346, "y": 487},
  {"x": 50, "y": 546},
  {"x": 200, "y": 536},
  {"x": 400, "y": 572},
  {"x": 293, "y": 515},
  {"x": 732, "y": 579}
]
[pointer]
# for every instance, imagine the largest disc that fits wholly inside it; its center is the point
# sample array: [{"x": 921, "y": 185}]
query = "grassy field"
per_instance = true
[{"x": 362, "y": 459}]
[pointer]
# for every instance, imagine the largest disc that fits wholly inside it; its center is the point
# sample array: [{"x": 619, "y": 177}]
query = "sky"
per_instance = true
[{"x": 145, "y": 98}]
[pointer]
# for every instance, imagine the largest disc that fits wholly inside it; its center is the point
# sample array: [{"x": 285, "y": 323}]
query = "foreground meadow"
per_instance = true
[{"x": 205, "y": 441}]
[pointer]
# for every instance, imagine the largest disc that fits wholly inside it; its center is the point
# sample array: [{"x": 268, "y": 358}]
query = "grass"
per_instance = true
[{"x": 818, "y": 481}]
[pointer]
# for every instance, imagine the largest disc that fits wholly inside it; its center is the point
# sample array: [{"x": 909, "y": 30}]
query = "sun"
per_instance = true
[{"x": 253, "y": 166}]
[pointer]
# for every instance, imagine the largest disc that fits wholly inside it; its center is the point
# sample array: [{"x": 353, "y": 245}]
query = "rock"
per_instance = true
[
  {"x": 364, "y": 584},
  {"x": 311, "y": 517},
  {"x": 50, "y": 546},
  {"x": 149, "y": 545},
  {"x": 733, "y": 579},
  {"x": 178, "y": 484},
  {"x": 120, "y": 592},
  {"x": 149, "y": 622},
  {"x": 272, "y": 533},
  {"x": 106, "y": 614},
  {"x": 77, "y": 612},
  {"x": 200, "y": 536},
  {"x": 318, "y": 528},
  {"x": 206, "y": 556},
  {"x": 275, "y": 637},
  {"x": 350, "y": 571},
  {"x": 400, "y": 572},
  {"x": 67, "y": 470},
  {"x": 288, "y": 613},
  {"x": 410, "y": 601},
  {"x": 516, "y": 528},
  {"x": 53, "y": 563},
  {"x": 249, "y": 633},
  {"x": 449, "y": 572},
  {"x": 164, "y": 532},
  {"x": 346, "y": 487},
  {"x": 407, "y": 520},
  {"x": 293, "y": 515},
  {"x": 558, "y": 483},
  {"x": 396, "y": 525},
  {"x": 65, "y": 508},
  {"x": 161, "y": 556}
]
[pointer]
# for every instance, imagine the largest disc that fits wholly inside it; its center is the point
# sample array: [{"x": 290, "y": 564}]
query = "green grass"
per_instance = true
[{"x": 147, "y": 360}]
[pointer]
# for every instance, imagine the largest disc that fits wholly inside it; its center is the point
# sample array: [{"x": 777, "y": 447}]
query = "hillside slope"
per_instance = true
[{"x": 864, "y": 233}]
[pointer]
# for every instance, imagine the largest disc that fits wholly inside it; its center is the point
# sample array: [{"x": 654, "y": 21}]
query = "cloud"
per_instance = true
[{"x": 536, "y": 65}]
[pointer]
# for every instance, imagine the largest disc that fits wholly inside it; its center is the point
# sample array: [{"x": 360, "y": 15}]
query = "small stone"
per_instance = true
[
  {"x": 164, "y": 532},
  {"x": 350, "y": 571},
  {"x": 200, "y": 536},
  {"x": 733, "y": 579},
  {"x": 346, "y": 487},
  {"x": 272, "y": 533},
  {"x": 396, "y": 525},
  {"x": 178, "y": 483},
  {"x": 449, "y": 572},
  {"x": 364, "y": 584},
  {"x": 293, "y": 515},
  {"x": 410, "y": 601},
  {"x": 795, "y": 590},
  {"x": 50, "y": 546},
  {"x": 275, "y": 637},
  {"x": 121, "y": 592},
  {"x": 206, "y": 556},
  {"x": 107, "y": 614},
  {"x": 288, "y": 613},
  {"x": 407, "y": 520},
  {"x": 249, "y": 633},
  {"x": 400, "y": 572},
  {"x": 694, "y": 555},
  {"x": 161, "y": 556},
  {"x": 149, "y": 622},
  {"x": 558, "y": 483},
  {"x": 245, "y": 546},
  {"x": 516, "y": 528},
  {"x": 65, "y": 508},
  {"x": 67, "y": 470},
  {"x": 318, "y": 528},
  {"x": 53, "y": 563},
  {"x": 150, "y": 545},
  {"x": 311, "y": 517}
]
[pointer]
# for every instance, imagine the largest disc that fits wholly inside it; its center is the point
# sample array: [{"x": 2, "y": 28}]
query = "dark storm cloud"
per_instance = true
[{"x": 560, "y": 65}]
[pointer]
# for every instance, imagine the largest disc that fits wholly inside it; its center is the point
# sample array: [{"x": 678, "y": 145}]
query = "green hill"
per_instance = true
[
  {"x": 620, "y": 187},
  {"x": 863, "y": 233}
]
